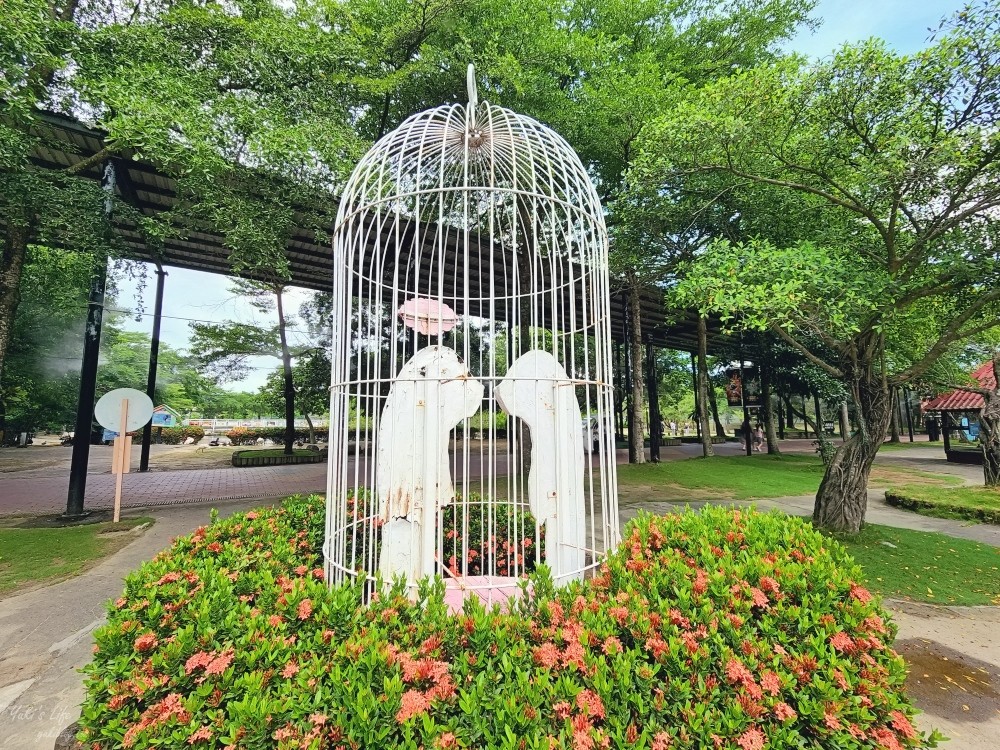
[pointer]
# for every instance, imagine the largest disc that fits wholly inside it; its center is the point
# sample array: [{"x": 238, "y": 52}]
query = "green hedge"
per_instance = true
[
  {"x": 250, "y": 435},
  {"x": 177, "y": 435},
  {"x": 702, "y": 630}
]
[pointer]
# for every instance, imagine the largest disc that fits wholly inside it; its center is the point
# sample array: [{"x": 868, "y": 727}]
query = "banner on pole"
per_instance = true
[{"x": 743, "y": 387}]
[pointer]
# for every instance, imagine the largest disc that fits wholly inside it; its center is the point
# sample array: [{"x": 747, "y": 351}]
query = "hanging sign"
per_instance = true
[{"x": 743, "y": 387}]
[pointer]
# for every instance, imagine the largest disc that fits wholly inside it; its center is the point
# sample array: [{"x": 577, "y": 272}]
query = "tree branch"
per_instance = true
[
  {"x": 951, "y": 334},
  {"x": 804, "y": 350}
]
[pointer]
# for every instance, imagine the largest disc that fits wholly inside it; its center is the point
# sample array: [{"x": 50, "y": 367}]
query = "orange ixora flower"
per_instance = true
[
  {"x": 752, "y": 739},
  {"x": 412, "y": 703}
]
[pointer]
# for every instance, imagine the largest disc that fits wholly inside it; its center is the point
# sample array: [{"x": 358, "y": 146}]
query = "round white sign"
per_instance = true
[{"x": 109, "y": 409}]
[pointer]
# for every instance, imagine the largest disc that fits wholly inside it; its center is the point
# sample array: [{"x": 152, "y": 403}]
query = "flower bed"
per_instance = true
[
  {"x": 718, "y": 629},
  {"x": 177, "y": 435}
]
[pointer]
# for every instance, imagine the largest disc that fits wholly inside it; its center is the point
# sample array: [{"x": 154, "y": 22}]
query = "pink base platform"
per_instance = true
[{"x": 490, "y": 590}]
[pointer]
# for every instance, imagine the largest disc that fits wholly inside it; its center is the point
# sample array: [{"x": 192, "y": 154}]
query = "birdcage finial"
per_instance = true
[{"x": 470, "y": 80}]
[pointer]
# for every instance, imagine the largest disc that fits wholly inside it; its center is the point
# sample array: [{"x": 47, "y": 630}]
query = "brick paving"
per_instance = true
[
  {"x": 43, "y": 491},
  {"x": 43, "y": 495}
]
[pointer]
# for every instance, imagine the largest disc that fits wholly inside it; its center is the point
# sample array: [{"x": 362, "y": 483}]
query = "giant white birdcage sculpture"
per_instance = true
[{"x": 471, "y": 393}]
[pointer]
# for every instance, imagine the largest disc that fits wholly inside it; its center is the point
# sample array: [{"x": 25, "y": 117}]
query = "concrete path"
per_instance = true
[
  {"x": 953, "y": 655},
  {"x": 45, "y": 635}
]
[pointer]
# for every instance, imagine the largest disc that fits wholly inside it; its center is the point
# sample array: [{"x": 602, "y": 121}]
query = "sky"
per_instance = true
[{"x": 904, "y": 24}]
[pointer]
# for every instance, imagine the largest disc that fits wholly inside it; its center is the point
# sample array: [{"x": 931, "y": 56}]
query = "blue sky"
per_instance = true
[{"x": 191, "y": 294}]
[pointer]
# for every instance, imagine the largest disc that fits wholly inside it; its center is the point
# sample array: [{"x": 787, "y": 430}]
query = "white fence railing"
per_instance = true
[{"x": 222, "y": 425}]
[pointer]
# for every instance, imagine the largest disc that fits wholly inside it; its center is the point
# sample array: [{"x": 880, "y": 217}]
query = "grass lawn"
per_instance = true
[
  {"x": 727, "y": 477},
  {"x": 906, "y": 444},
  {"x": 44, "y": 555},
  {"x": 925, "y": 566},
  {"x": 746, "y": 478},
  {"x": 974, "y": 502}
]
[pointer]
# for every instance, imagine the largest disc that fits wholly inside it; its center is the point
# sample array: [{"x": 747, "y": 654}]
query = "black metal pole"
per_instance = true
[
  {"x": 909, "y": 415},
  {"x": 619, "y": 417},
  {"x": 88, "y": 368},
  {"x": 630, "y": 413},
  {"x": 654, "y": 405},
  {"x": 154, "y": 354},
  {"x": 88, "y": 388}
]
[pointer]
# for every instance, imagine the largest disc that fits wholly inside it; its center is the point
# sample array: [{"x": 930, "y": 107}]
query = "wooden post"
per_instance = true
[{"x": 121, "y": 458}]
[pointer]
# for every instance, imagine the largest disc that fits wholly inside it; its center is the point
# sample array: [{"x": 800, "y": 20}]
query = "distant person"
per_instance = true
[
  {"x": 746, "y": 433},
  {"x": 758, "y": 438},
  {"x": 673, "y": 428}
]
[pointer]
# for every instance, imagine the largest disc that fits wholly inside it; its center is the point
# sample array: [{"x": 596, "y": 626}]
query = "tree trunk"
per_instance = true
[
  {"x": 312, "y": 430},
  {"x": 989, "y": 430},
  {"x": 706, "y": 437},
  {"x": 286, "y": 367},
  {"x": 894, "y": 419},
  {"x": 14, "y": 250},
  {"x": 765, "y": 400},
  {"x": 637, "y": 406},
  {"x": 720, "y": 430},
  {"x": 842, "y": 499},
  {"x": 845, "y": 421},
  {"x": 789, "y": 413}
]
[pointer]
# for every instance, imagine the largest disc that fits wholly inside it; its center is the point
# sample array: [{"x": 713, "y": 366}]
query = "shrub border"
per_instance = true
[{"x": 898, "y": 499}]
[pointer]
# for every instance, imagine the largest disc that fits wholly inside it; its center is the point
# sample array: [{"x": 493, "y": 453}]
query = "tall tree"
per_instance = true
[
  {"x": 224, "y": 349},
  {"x": 906, "y": 145}
]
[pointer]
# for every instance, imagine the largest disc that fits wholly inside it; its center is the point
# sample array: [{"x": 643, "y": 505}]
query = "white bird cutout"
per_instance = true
[
  {"x": 538, "y": 390},
  {"x": 432, "y": 392}
]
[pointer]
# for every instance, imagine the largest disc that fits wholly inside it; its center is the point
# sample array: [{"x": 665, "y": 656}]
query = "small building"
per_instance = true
[
  {"x": 164, "y": 416},
  {"x": 959, "y": 411}
]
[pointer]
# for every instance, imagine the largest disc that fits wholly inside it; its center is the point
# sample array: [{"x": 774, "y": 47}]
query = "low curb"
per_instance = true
[{"x": 246, "y": 458}]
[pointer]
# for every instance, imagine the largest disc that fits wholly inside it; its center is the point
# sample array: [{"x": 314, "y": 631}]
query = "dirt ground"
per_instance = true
[{"x": 53, "y": 459}]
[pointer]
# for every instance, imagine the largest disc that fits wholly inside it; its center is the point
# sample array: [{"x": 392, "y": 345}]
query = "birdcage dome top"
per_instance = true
[{"x": 476, "y": 147}]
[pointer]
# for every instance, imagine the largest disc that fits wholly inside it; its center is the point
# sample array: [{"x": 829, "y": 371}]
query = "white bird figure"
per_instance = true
[
  {"x": 538, "y": 390},
  {"x": 432, "y": 392}
]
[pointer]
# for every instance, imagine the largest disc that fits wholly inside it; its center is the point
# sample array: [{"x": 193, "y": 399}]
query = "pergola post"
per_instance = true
[
  {"x": 652, "y": 389},
  {"x": 909, "y": 415},
  {"x": 629, "y": 411},
  {"x": 619, "y": 403},
  {"x": 88, "y": 389},
  {"x": 154, "y": 353},
  {"x": 88, "y": 369}
]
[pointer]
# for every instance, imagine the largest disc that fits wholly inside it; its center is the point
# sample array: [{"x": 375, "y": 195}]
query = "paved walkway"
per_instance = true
[
  {"x": 45, "y": 635},
  {"x": 44, "y": 490},
  {"x": 44, "y": 495}
]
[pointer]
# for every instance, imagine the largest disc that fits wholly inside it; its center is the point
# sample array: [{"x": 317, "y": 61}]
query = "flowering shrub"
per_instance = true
[
  {"x": 177, "y": 435},
  {"x": 718, "y": 629}
]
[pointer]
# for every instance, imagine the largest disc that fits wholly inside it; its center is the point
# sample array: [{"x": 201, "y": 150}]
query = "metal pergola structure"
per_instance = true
[{"x": 68, "y": 145}]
